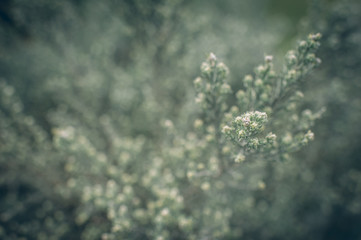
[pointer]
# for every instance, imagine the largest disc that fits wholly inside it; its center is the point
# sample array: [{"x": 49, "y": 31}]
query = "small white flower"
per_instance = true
[
  {"x": 205, "y": 186},
  {"x": 226, "y": 129},
  {"x": 240, "y": 158},
  {"x": 212, "y": 57},
  {"x": 268, "y": 58},
  {"x": 164, "y": 212}
]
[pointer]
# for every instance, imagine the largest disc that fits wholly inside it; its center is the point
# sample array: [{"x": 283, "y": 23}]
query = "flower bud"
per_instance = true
[
  {"x": 198, "y": 82},
  {"x": 311, "y": 58},
  {"x": 225, "y": 88},
  {"x": 268, "y": 59},
  {"x": 212, "y": 59},
  {"x": 291, "y": 58},
  {"x": 261, "y": 69},
  {"x": 222, "y": 70},
  {"x": 261, "y": 185},
  {"x": 240, "y": 158},
  {"x": 240, "y": 94},
  {"x": 287, "y": 139},
  {"x": 226, "y": 150},
  {"x": 258, "y": 83},
  {"x": 227, "y": 129},
  {"x": 234, "y": 109},
  {"x": 205, "y": 186},
  {"x": 200, "y": 98},
  {"x": 242, "y": 134},
  {"x": 198, "y": 123},
  {"x": 315, "y": 37},
  {"x": 168, "y": 124},
  {"x": 254, "y": 143},
  {"x": 307, "y": 113},
  {"x": 302, "y": 45},
  {"x": 264, "y": 97},
  {"x": 299, "y": 95},
  {"x": 206, "y": 69},
  {"x": 271, "y": 137},
  {"x": 309, "y": 135},
  {"x": 248, "y": 79}
]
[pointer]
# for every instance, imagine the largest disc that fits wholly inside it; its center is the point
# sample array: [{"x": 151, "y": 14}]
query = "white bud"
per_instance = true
[
  {"x": 212, "y": 57},
  {"x": 268, "y": 58},
  {"x": 226, "y": 129},
  {"x": 205, "y": 186},
  {"x": 240, "y": 158}
]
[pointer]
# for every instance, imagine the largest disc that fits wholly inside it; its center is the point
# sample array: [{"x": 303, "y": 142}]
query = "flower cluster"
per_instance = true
[
  {"x": 276, "y": 96},
  {"x": 211, "y": 87},
  {"x": 245, "y": 129},
  {"x": 206, "y": 159}
]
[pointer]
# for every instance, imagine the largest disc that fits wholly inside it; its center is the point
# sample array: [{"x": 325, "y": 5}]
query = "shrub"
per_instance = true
[{"x": 103, "y": 137}]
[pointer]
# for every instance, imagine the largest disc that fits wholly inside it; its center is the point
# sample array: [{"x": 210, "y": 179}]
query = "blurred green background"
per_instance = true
[{"x": 135, "y": 61}]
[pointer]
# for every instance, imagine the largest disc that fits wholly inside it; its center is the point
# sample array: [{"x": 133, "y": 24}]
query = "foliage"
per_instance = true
[{"x": 102, "y": 135}]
